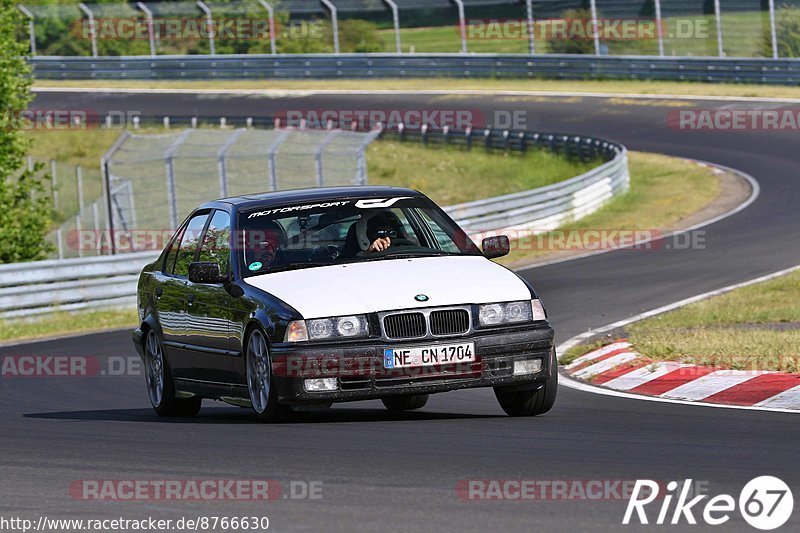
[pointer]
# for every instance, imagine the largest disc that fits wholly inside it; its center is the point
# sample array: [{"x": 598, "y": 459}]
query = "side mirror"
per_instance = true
[
  {"x": 205, "y": 273},
  {"x": 497, "y": 246}
]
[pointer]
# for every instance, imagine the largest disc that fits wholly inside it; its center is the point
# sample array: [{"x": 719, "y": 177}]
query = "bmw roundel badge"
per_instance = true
[{"x": 421, "y": 298}]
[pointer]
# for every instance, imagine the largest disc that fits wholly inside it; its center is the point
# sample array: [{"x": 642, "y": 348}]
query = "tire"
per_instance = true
[
  {"x": 405, "y": 403},
  {"x": 160, "y": 387},
  {"x": 531, "y": 402},
  {"x": 263, "y": 396}
]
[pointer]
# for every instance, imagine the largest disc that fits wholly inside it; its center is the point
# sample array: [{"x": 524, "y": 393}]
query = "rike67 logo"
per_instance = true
[{"x": 765, "y": 503}]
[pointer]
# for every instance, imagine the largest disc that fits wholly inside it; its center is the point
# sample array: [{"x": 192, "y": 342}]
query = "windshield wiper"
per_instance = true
[{"x": 294, "y": 266}]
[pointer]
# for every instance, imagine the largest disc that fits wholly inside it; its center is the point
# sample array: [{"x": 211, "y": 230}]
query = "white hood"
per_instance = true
[{"x": 391, "y": 284}]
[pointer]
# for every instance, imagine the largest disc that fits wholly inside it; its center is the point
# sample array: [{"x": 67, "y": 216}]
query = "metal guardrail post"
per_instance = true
[
  {"x": 462, "y": 25},
  {"x": 595, "y": 34},
  {"x": 222, "y": 164},
  {"x": 718, "y": 17},
  {"x": 531, "y": 27},
  {"x": 773, "y": 33},
  {"x": 31, "y": 27},
  {"x": 172, "y": 197},
  {"x": 210, "y": 23},
  {"x": 150, "y": 30},
  {"x": 60, "y": 243},
  {"x": 92, "y": 27},
  {"x": 54, "y": 183},
  {"x": 271, "y": 14},
  {"x": 396, "y": 23},
  {"x": 334, "y": 23},
  {"x": 659, "y": 28},
  {"x": 273, "y": 149},
  {"x": 106, "y": 183},
  {"x": 329, "y": 137}
]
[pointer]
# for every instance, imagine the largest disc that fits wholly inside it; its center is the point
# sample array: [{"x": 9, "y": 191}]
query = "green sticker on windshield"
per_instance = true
[{"x": 255, "y": 265}]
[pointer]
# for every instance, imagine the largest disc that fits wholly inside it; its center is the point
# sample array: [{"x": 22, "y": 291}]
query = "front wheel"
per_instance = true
[
  {"x": 531, "y": 402},
  {"x": 259, "y": 380},
  {"x": 405, "y": 403},
  {"x": 160, "y": 387}
]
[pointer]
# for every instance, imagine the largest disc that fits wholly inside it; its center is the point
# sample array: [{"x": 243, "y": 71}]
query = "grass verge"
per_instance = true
[
  {"x": 664, "y": 190},
  {"x": 454, "y": 84},
  {"x": 752, "y": 328},
  {"x": 452, "y": 175},
  {"x": 67, "y": 324}
]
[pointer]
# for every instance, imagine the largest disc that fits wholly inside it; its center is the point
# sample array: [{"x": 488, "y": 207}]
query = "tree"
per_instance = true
[
  {"x": 24, "y": 208},
  {"x": 787, "y": 30}
]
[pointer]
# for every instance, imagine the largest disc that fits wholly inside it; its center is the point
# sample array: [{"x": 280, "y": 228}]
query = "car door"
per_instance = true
[
  {"x": 172, "y": 302},
  {"x": 208, "y": 310}
]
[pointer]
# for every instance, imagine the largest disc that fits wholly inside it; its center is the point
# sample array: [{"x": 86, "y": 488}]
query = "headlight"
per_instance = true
[
  {"x": 327, "y": 328},
  {"x": 505, "y": 313}
]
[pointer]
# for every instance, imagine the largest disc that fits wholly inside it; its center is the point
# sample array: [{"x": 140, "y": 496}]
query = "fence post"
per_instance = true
[
  {"x": 396, "y": 23},
  {"x": 318, "y": 154},
  {"x": 772, "y": 29},
  {"x": 361, "y": 161},
  {"x": 60, "y": 243},
  {"x": 78, "y": 232},
  {"x": 222, "y": 165},
  {"x": 210, "y": 22},
  {"x": 172, "y": 198},
  {"x": 79, "y": 185},
  {"x": 273, "y": 148},
  {"x": 531, "y": 27},
  {"x": 595, "y": 35},
  {"x": 96, "y": 220},
  {"x": 54, "y": 183},
  {"x": 271, "y": 14},
  {"x": 150, "y": 33},
  {"x": 462, "y": 25},
  {"x": 92, "y": 27},
  {"x": 31, "y": 27},
  {"x": 659, "y": 29},
  {"x": 105, "y": 161},
  {"x": 718, "y": 17},
  {"x": 334, "y": 23}
]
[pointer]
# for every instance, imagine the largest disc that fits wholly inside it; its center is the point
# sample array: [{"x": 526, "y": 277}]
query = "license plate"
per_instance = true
[{"x": 440, "y": 354}]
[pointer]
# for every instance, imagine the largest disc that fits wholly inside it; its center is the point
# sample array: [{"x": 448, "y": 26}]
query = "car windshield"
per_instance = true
[{"x": 346, "y": 231}]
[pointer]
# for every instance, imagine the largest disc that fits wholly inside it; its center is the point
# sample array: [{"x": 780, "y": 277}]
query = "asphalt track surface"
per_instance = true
[{"x": 386, "y": 472}]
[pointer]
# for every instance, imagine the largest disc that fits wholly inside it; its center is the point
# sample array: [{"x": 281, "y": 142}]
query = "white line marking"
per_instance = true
[
  {"x": 755, "y": 191},
  {"x": 788, "y": 399},
  {"x": 602, "y": 366},
  {"x": 705, "y": 386},
  {"x": 643, "y": 375},
  {"x": 427, "y": 92},
  {"x": 600, "y": 352}
]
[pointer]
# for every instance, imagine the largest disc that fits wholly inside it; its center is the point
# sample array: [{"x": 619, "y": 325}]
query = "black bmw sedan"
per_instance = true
[{"x": 293, "y": 300}]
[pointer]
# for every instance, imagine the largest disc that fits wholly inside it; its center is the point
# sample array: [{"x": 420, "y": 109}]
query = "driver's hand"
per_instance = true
[{"x": 380, "y": 244}]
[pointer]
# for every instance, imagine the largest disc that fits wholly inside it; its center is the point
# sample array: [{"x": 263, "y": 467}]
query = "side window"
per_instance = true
[
  {"x": 217, "y": 241},
  {"x": 189, "y": 242},
  {"x": 444, "y": 241},
  {"x": 169, "y": 261}
]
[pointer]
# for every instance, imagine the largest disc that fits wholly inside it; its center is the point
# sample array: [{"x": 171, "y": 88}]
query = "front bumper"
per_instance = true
[{"x": 360, "y": 375}]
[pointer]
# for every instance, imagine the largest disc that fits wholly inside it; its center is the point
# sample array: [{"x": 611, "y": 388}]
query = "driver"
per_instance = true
[
  {"x": 381, "y": 229},
  {"x": 270, "y": 239}
]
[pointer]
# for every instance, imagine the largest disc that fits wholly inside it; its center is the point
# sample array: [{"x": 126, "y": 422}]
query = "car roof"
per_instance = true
[{"x": 292, "y": 196}]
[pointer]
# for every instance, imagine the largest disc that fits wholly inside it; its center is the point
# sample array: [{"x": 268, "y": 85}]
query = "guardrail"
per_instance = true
[
  {"x": 34, "y": 288},
  {"x": 323, "y": 66}
]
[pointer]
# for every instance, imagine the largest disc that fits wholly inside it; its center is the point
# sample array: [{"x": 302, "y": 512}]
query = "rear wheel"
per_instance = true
[
  {"x": 531, "y": 402},
  {"x": 259, "y": 380},
  {"x": 160, "y": 387},
  {"x": 405, "y": 403}
]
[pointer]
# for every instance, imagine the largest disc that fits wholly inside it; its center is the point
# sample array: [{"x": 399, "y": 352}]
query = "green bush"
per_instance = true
[
  {"x": 24, "y": 209},
  {"x": 576, "y": 44}
]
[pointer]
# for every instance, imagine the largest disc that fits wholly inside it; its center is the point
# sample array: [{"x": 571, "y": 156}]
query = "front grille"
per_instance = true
[
  {"x": 449, "y": 322},
  {"x": 404, "y": 326}
]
